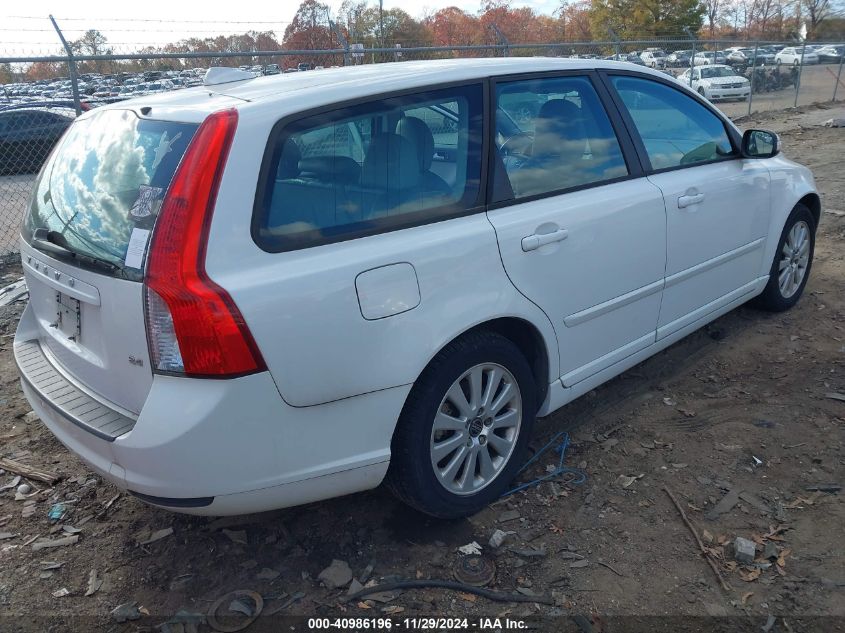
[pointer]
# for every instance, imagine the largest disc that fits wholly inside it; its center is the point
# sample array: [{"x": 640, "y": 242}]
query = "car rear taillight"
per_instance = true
[{"x": 194, "y": 327}]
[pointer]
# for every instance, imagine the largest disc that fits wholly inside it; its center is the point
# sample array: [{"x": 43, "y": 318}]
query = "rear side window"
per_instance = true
[
  {"x": 553, "y": 134},
  {"x": 107, "y": 177},
  {"x": 367, "y": 168},
  {"x": 675, "y": 128}
]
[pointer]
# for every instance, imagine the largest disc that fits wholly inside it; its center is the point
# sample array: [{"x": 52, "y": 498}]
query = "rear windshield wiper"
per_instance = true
[{"x": 55, "y": 243}]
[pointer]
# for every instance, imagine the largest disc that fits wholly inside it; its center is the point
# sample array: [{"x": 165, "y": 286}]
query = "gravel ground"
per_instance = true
[{"x": 737, "y": 410}]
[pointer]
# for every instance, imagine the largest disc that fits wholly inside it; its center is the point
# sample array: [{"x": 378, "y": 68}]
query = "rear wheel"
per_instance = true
[
  {"x": 793, "y": 260},
  {"x": 463, "y": 431}
]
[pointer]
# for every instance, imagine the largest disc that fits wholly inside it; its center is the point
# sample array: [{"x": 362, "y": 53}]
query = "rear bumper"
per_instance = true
[{"x": 220, "y": 447}]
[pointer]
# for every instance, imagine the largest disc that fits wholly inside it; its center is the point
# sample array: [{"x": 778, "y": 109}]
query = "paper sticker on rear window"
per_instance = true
[
  {"x": 147, "y": 203},
  {"x": 137, "y": 247}
]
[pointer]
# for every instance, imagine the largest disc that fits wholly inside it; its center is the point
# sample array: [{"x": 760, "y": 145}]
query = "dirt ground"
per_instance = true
[{"x": 739, "y": 408}]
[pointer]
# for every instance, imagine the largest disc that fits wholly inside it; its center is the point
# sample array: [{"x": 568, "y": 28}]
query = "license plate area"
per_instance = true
[{"x": 68, "y": 316}]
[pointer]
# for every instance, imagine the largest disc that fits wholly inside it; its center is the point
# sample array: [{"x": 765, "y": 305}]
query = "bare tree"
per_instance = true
[
  {"x": 817, "y": 11},
  {"x": 712, "y": 11}
]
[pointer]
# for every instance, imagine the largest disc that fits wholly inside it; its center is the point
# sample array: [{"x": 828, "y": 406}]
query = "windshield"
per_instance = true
[
  {"x": 106, "y": 178},
  {"x": 719, "y": 71}
]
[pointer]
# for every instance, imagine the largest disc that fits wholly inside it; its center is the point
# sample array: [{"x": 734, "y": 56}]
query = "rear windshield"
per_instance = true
[{"x": 103, "y": 187}]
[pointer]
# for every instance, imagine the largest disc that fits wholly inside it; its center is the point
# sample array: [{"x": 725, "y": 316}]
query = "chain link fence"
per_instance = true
[{"x": 41, "y": 93}]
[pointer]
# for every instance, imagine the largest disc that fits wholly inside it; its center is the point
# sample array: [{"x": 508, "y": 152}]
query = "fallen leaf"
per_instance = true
[
  {"x": 781, "y": 562},
  {"x": 749, "y": 576},
  {"x": 556, "y": 529},
  {"x": 625, "y": 481},
  {"x": 156, "y": 536},
  {"x": 364, "y": 605},
  {"x": 393, "y": 609},
  {"x": 706, "y": 536},
  {"x": 797, "y": 503},
  {"x": 746, "y": 596},
  {"x": 94, "y": 583},
  {"x": 466, "y": 596}
]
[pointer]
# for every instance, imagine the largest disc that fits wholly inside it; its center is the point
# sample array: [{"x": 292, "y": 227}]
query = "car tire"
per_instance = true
[
  {"x": 430, "y": 462},
  {"x": 795, "y": 63},
  {"x": 778, "y": 296},
  {"x": 701, "y": 92}
]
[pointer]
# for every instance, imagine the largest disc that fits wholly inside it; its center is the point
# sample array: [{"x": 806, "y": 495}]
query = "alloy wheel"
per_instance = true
[
  {"x": 795, "y": 255},
  {"x": 476, "y": 428}
]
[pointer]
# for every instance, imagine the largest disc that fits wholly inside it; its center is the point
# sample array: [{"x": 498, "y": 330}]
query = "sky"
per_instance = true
[{"x": 25, "y": 27}]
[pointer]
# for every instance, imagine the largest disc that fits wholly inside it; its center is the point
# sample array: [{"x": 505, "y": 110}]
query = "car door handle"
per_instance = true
[
  {"x": 686, "y": 201},
  {"x": 533, "y": 242}
]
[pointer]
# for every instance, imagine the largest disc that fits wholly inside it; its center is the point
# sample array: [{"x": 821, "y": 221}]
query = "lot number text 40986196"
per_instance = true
[{"x": 416, "y": 624}]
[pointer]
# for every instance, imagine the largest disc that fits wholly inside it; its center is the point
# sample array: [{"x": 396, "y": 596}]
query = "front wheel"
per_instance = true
[
  {"x": 464, "y": 428},
  {"x": 793, "y": 260}
]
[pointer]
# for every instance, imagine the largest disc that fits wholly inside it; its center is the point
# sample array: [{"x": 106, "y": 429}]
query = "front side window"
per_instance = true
[
  {"x": 676, "y": 130},
  {"x": 553, "y": 134},
  {"x": 385, "y": 164}
]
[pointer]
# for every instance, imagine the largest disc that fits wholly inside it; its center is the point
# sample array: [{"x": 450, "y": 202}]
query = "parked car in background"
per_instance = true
[
  {"x": 716, "y": 82},
  {"x": 747, "y": 56},
  {"x": 792, "y": 56},
  {"x": 631, "y": 58},
  {"x": 27, "y": 137},
  {"x": 831, "y": 54},
  {"x": 709, "y": 57},
  {"x": 679, "y": 59},
  {"x": 272, "y": 69},
  {"x": 432, "y": 305},
  {"x": 654, "y": 58}
]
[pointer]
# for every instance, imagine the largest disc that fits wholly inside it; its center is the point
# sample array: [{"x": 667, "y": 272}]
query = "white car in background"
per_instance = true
[
  {"x": 269, "y": 291},
  {"x": 716, "y": 81},
  {"x": 654, "y": 58},
  {"x": 704, "y": 58},
  {"x": 791, "y": 56}
]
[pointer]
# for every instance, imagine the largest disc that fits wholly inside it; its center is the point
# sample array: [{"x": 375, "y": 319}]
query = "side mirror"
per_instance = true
[{"x": 760, "y": 144}]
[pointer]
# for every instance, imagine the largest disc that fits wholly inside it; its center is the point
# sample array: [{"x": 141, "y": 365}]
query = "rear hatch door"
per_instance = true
[{"x": 85, "y": 235}]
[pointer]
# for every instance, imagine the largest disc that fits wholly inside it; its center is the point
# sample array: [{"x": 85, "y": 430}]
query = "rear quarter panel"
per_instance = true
[{"x": 302, "y": 306}]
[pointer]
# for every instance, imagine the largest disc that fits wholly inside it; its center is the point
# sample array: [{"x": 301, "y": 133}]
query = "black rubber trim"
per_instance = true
[
  {"x": 174, "y": 502},
  {"x": 35, "y": 353}
]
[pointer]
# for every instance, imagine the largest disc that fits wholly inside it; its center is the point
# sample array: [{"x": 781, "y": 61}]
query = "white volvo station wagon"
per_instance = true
[{"x": 268, "y": 291}]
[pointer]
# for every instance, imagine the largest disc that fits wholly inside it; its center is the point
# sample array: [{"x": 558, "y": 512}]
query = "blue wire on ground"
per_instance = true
[{"x": 580, "y": 475}]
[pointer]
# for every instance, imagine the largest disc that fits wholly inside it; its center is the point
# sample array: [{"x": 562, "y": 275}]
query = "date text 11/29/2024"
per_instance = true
[{"x": 415, "y": 624}]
